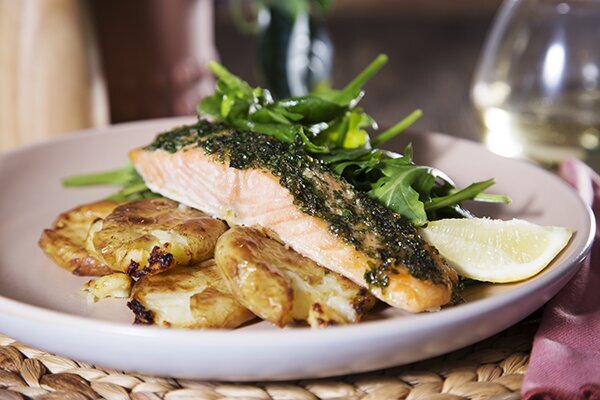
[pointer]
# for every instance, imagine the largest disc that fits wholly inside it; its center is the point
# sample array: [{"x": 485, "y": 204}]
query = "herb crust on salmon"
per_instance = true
[{"x": 340, "y": 227}]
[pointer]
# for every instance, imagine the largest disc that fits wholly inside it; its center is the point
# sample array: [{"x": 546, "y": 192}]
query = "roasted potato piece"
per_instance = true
[
  {"x": 153, "y": 235},
  {"x": 117, "y": 285},
  {"x": 187, "y": 297},
  {"x": 65, "y": 242},
  {"x": 281, "y": 286}
]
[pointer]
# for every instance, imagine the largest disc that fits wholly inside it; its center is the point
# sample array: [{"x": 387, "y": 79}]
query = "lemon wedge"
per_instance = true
[{"x": 494, "y": 250}]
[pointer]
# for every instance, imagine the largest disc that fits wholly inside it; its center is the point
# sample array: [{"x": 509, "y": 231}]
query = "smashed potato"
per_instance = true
[
  {"x": 64, "y": 243},
  {"x": 187, "y": 297},
  {"x": 153, "y": 235},
  {"x": 117, "y": 286},
  {"x": 281, "y": 286},
  {"x": 156, "y": 253}
]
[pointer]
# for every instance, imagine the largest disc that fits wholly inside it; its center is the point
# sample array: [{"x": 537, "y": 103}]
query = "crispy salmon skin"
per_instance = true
[{"x": 255, "y": 180}]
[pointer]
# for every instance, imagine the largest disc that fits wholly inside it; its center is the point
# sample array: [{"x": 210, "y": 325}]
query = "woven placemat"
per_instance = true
[{"x": 492, "y": 369}]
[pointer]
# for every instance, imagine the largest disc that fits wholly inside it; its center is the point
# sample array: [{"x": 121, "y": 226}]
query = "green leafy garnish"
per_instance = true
[
  {"x": 131, "y": 183},
  {"x": 334, "y": 130},
  {"x": 323, "y": 120}
]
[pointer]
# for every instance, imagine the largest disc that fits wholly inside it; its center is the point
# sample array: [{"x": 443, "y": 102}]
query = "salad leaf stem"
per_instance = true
[
  {"x": 492, "y": 198},
  {"x": 362, "y": 78},
  {"x": 352, "y": 91},
  {"x": 468, "y": 193},
  {"x": 131, "y": 183},
  {"x": 118, "y": 176},
  {"x": 397, "y": 128}
]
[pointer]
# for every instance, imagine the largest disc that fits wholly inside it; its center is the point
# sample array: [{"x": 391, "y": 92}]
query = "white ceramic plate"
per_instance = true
[{"x": 41, "y": 304}]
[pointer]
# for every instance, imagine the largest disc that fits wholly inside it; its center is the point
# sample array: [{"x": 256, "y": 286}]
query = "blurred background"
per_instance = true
[
  {"x": 433, "y": 48},
  {"x": 71, "y": 64},
  {"x": 530, "y": 90}
]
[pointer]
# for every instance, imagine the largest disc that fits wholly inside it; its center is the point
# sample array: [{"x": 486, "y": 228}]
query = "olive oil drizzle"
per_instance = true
[{"x": 350, "y": 214}]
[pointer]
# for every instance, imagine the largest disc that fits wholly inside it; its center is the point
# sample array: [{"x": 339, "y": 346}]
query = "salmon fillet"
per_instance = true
[{"x": 252, "y": 179}]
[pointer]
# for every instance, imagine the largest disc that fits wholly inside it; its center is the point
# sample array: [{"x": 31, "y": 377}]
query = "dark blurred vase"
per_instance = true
[
  {"x": 295, "y": 52},
  {"x": 155, "y": 54}
]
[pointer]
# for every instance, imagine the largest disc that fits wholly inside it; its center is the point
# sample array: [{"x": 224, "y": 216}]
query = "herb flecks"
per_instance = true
[
  {"x": 185, "y": 135},
  {"x": 361, "y": 221}
]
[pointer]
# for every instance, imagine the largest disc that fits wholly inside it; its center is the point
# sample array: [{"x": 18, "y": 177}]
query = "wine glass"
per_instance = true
[{"x": 537, "y": 85}]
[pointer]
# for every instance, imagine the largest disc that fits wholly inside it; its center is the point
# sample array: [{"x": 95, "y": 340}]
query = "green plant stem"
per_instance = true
[
  {"x": 115, "y": 177},
  {"x": 468, "y": 193},
  {"x": 366, "y": 74},
  {"x": 134, "y": 188},
  {"x": 492, "y": 198},
  {"x": 396, "y": 129}
]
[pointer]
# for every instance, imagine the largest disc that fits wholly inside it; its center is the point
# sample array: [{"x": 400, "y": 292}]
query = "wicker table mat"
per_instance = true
[{"x": 491, "y": 369}]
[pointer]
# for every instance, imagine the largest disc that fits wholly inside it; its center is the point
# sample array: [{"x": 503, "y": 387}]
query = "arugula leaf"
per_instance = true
[
  {"x": 401, "y": 189},
  {"x": 355, "y": 136},
  {"x": 210, "y": 105},
  {"x": 310, "y": 146},
  {"x": 284, "y": 132},
  {"x": 311, "y": 109},
  {"x": 230, "y": 81},
  {"x": 341, "y": 155}
]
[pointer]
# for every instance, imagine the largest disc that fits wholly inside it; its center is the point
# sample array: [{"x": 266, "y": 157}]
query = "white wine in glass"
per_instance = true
[{"x": 537, "y": 86}]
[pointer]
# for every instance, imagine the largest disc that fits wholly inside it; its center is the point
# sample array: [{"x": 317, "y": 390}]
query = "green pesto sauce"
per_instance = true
[
  {"x": 185, "y": 135},
  {"x": 352, "y": 215}
]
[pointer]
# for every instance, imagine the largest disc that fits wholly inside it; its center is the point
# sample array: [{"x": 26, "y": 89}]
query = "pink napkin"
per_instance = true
[{"x": 565, "y": 359}]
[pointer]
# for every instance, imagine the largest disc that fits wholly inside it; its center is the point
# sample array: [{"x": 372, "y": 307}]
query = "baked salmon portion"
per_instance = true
[{"x": 251, "y": 179}]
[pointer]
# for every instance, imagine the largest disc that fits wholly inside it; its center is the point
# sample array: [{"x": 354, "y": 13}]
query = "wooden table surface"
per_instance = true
[{"x": 432, "y": 61}]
